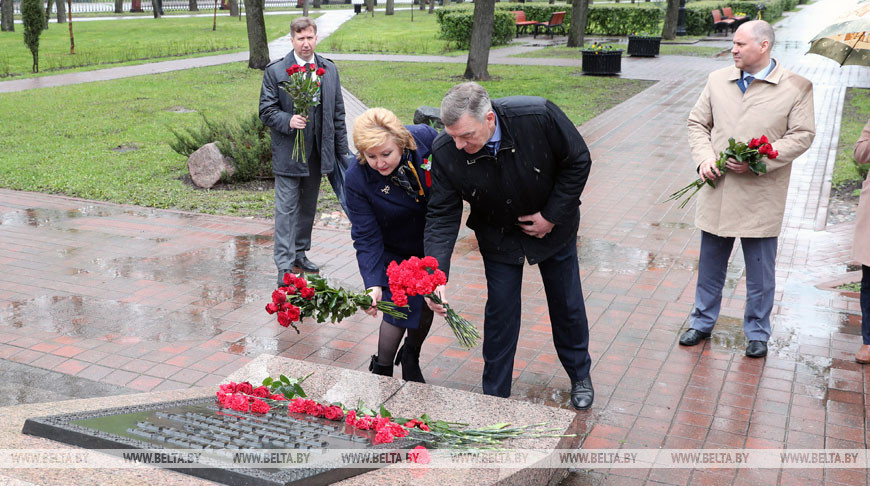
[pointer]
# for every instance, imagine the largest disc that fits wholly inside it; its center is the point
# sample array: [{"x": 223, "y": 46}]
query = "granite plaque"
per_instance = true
[{"x": 218, "y": 435}]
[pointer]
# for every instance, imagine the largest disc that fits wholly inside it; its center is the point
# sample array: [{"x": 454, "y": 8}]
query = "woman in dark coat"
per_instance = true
[{"x": 386, "y": 197}]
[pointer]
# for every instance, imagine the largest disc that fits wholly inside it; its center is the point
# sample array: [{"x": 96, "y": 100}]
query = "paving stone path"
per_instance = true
[{"x": 149, "y": 299}]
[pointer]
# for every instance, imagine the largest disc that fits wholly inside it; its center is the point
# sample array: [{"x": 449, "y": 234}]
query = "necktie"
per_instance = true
[
  {"x": 744, "y": 83},
  {"x": 491, "y": 147}
]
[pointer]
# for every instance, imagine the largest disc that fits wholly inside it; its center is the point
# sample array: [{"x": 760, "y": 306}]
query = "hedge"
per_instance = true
[
  {"x": 609, "y": 19},
  {"x": 628, "y": 18},
  {"x": 456, "y": 26}
]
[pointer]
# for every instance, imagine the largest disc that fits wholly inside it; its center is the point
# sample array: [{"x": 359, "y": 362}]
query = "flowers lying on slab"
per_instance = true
[
  {"x": 752, "y": 152},
  {"x": 312, "y": 296},
  {"x": 384, "y": 427}
]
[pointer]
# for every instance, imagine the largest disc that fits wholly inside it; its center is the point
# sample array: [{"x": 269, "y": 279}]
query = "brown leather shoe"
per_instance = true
[{"x": 863, "y": 354}]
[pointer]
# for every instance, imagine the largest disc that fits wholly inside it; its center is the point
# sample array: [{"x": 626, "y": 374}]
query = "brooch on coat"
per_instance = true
[{"x": 386, "y": 189}]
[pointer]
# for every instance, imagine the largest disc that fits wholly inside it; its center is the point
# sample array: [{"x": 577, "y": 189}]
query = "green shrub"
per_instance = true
[
  {"x": 456, "y": 27},
  {"x": 699, "y": 20},
  {"x": 248, "y": 143},
  {"x": 31, "y": 16}
]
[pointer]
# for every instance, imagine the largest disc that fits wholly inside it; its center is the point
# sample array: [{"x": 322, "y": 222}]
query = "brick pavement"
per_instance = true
[{"x": 150, "y": 300}]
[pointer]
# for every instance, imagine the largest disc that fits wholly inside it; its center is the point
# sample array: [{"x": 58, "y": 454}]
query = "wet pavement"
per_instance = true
[{"x": 139, "y": 299}]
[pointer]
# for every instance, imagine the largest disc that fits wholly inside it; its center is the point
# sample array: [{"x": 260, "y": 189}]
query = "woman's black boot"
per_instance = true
[
  {"x": 379, "y": 369},
  {"x": 410, "y": 359}
]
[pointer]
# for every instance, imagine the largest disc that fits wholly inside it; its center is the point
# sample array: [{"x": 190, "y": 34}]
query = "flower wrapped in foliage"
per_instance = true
[
  {"x": 752, "y": 152},
  {"x": 412, "y": 277},
  {"x": 304, "y": 88},
  {"x": 315, "y": 298}
]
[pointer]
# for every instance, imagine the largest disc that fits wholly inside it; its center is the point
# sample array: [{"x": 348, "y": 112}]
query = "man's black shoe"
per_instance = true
[
  {"x": 582, "y": 393},
  {"x": 281, "y": 277},
  {"x": 306, "y": 265},
  {"x": 693, "y": 337},
  {"x": 756, "y": 349}
]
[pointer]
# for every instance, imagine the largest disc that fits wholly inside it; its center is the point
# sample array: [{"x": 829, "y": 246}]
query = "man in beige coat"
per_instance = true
[
  {"x": 861, "y": 244},
  {"x": 755, "y": 97}
]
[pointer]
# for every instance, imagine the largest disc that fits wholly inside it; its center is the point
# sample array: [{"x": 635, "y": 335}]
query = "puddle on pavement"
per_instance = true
[
  {"x": 728, "y": 333},
  {"x": 256, "y": 345},
  {"x": 607, "y": 256},
  {"x": 89, "y": 317},
  {"x": 544, "y": 395}
]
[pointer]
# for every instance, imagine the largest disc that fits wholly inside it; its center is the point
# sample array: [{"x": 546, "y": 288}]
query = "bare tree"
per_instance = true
[
  {"x": 191, "y": 5},
  {"x": 370, "y": 7},
  {"x": 7, "y": 16},
  {"x": 257, "y": 43},
  {"x": 481, "y": 39},
  {"x": 669, "y": 31},
  {"x": 431, "y": 5},
  {"x": 579, "y": 15},
  {"x": 155, "y": 7},
  {"x": 119, "y": 6},
  {"x": 234, "y": 8},
  {"x": 391, "y": 7},
  {"x": 317, "y": 4},
  {"x": 61, "y": 11},
  {"x": 47, "y": 13},
  {"x": 305, "y": 5}
]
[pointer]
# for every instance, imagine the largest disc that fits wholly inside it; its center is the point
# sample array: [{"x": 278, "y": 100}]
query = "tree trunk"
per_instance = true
[
  {"x": 7, "y": 19},
  {"x": 669, "y": 32},
  {"x": 48, "y": 4},
  {"x": 72, "y": 40},
  {"x": 61, "y": 11},
  {"x": 422, "y": 5},
  {"x": 370, "y": 7},
  {"x": 257, "y": 44},
  {"x": 317, "y": 4},
  {"x": 431, "y": 5},
  {"x": 119, "y": 6},
  {"x": 234, "y": 8},
  {"x": 305, "y": 5},
  {"x": 155, "y": 7},
  {"x": 191, "y": 5},
  {"x": 579, "y": 15},
  {"x": 481, "y": 39},
  {"x": 391, "y": 8}
]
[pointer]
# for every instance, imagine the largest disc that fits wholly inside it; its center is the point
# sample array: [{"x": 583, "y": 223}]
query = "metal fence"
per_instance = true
[{"x": 85, "y": 6}]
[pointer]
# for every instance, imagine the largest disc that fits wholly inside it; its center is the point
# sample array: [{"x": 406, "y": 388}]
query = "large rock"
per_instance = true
[
  {"x": 429, "y": 115},
  {"x": 207, "y": 164}
]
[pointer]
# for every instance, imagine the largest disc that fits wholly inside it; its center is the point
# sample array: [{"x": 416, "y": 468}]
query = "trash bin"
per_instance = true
[{"x": 357, "y": 8}]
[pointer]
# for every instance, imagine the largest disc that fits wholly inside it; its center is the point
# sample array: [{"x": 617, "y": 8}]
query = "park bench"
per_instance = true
[
  {"x": 722, "y": 23},
  {"x": 554, "y": 23},
  {"x": 521, "y": 22},
  {"x": 727, "y": 13}
]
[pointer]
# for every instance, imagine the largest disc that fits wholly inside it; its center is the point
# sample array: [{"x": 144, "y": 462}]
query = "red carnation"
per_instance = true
[
  {"x": 300, "y": 283},
  {"x": 772, "y": 154},
  {"x": 294, "y": 313},
  {"x": 419, "y": 455},
  {"x": 259, "y": 406},
  {"x": 430, "y": 262},
  {"x": 245, "y": 387},
  {"x": 277, "y": 396},
  {"x": 333, "y": 412},
  {"x": 297, "y": 405},
  {"x": 312, "y": 67},
  {"x": 261, "y": 392},
  {"x": 272, "y": 308},
  {"x": 289, "y": 278},
  {"x": 423, "y": 427},
  {"x": 765, "y": 149},
  {"x": 350, "y": 418},
  {"x": 383, "y": 437},
  {"x": 320, "y": 71},
  {"x": 239, "y": 402},
  {"x": 284, "y": 319},
  {"x": 228, "y": 388},
  {"x": 278, "y": 296},
  {"x": 307, "y": 293},
  {"x": 754, "y": 143},
  {"x": 763, "y": 139}
]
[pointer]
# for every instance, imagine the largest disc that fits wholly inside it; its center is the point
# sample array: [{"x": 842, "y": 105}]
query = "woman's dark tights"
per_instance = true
[{"x": 390, "y": 337}]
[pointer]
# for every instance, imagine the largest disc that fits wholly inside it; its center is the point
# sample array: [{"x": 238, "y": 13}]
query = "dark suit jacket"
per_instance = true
[
  {"x": 276, "y": 109},
  {"x": 386, "y": 224}
]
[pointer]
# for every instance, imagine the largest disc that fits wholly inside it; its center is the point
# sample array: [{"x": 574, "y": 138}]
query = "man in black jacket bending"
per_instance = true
[{"x": 521, "y": 165}]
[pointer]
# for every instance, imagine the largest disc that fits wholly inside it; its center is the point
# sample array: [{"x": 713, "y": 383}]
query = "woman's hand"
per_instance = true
[
  {"x": 376, "y": 293},
  {"x": 440, "y": 291}
]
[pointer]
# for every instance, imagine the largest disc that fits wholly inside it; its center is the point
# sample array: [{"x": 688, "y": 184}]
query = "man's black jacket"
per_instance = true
[{"x": 542, "y": 165}]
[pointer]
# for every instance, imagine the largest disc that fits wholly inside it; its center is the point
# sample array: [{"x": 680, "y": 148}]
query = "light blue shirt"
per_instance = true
[
  {"x": 496, "y": 136},
  {"x": 761, "y": 74}
]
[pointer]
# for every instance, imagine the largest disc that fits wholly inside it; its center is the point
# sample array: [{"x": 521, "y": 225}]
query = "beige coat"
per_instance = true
[
  {"x": 861, "y": 245},
  {"x": 781, "y": 107}
]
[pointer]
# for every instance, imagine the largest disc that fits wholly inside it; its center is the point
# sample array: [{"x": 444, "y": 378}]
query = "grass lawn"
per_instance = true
[
  {"x": 665, "y": 50},
  {"x": 75, "y": 150},
  {"x": 856, "y": 112},
  {"x": 134, "y": 41},
  {"x": 394, "y": 34}
]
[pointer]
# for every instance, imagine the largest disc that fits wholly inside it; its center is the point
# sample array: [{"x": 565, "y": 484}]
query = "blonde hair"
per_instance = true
[{"x": 375, "y": 127}]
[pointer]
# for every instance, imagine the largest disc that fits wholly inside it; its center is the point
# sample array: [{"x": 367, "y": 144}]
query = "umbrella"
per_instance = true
[{"x": 846, "y": 41}]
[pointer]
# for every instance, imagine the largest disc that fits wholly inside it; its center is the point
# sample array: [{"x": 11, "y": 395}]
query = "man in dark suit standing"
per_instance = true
[
  {"x": 297, "y": 182},
  {"x": 521, "y": 165}
]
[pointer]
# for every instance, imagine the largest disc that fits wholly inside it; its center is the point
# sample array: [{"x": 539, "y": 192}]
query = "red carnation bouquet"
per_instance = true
[
  {"x": 752, "y": 153},
  {"x": 303, "y": 87},
  {"x": 412, "y": 277},
  {"x": 315, "y": 298}
]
